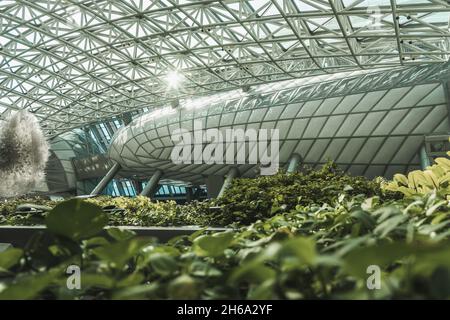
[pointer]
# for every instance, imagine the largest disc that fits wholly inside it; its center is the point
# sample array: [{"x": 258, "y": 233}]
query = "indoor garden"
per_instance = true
[
  {"x": 303, "y": 235},
  {"x": 269, "y": 150}
]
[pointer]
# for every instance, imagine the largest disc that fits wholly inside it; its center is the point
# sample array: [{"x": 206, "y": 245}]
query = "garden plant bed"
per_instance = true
[
  {"x": 18, "y": 236},
  {"x": 245, "y": 202},
  {"x": 290, "y": 236}
]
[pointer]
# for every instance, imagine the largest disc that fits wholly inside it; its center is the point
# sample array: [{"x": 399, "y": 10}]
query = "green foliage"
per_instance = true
[
  {"x": 212, "y": 245},
  {"x": 435, "y": 177},
  {"x": 137, "y": 211},
  {"x": 9, "y": 258},
  {"x": 86, "y": 219},
  {"x": 246, "y": 201},
  {"x": 307, "y": 235},
  {"x": 310, "y": 251},
  {"x": 9, "y": 215}
]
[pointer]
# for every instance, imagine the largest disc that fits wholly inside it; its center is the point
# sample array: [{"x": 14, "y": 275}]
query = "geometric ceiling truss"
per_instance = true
[{"x": 73, "y": 62}]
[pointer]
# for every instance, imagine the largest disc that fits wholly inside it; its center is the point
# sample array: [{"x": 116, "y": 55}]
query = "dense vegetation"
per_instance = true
[
  {"x": 435, "y": 177},
  {"x": 325, "y": 244},
  {"x": 246, "y": 201},
  {"x": 308, "y": 252}
]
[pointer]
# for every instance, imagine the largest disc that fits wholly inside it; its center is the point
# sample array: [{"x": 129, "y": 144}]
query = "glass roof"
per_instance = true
[{"x": 73, "y": 62}]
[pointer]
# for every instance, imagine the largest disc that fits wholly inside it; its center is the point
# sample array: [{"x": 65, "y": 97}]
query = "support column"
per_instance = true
[
  {"x": 424, "y": 159},
  {"x": 446, "y": 85},
  {"x": 189, "y": 194},
  {"x": 233, "y": 173},
  {"x": 213, "y": 185},
  {"x": 106, "y": 179},
  {"x": 152, "y": 184},
  {"x": 294, "y": 162},
  {"x": 137, "y": 186}
]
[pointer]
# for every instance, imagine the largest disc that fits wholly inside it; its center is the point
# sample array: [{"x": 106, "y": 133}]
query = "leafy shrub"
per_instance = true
[
  {"x": 435, "y": 177},
  {"x": 309, "y": 252},
  {"x": 246, "y": 201},
  {"x": 141, "y": 211},
  {"x": 137, "y": 211},
  {"x": 10, "y": 216}
]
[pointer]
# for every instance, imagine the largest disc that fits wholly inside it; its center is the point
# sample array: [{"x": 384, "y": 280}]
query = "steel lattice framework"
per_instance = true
[{"x": 76, "y": 62}]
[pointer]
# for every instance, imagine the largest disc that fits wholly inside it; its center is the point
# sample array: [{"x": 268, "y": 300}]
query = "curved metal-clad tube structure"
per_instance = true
[
  {"x": 60, "y": 172},
  {"x": 370, "y": 123}
]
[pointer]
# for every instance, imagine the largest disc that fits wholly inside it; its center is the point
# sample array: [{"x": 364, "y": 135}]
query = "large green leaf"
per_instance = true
[
  {"x": 29, "y": 286},
  {"x": 119, "y": 253},
  {"x": 76, "y": 219},
  {"x": 203, "y": 269},
  {"x": 213, "y": 245},
  {"x": 427, "y": 257},
  {"x": 120, "y": 234},
  {"x": 358, "y": 260},
  {"x": 253, "y": 271},
  {"x": 183, "y": 287},
  {"x": 163, "y": 263},
  {"x": 302, "y": 250},
  {"x": 10, "y": 258}
]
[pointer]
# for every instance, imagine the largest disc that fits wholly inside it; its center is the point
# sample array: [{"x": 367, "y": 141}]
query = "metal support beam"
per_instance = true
[
  {"x": 213, "y": 185},
  {"x": 232, "y": 173},
  {"x": 106, "y": 179},
  {"x": 446, "y": 85},
  {"x": 327, "y": 49},
  {"x": 424, "y": 159},
  {"x": 152, "y": 184},
  {"x": 294, "y": 162},
  {"x": 189, "y": 194},
  {"x": 137, "y": 186}
]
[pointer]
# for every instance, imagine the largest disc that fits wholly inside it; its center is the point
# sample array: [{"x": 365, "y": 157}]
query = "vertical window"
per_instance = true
[{"x": 115, "y": 190}]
